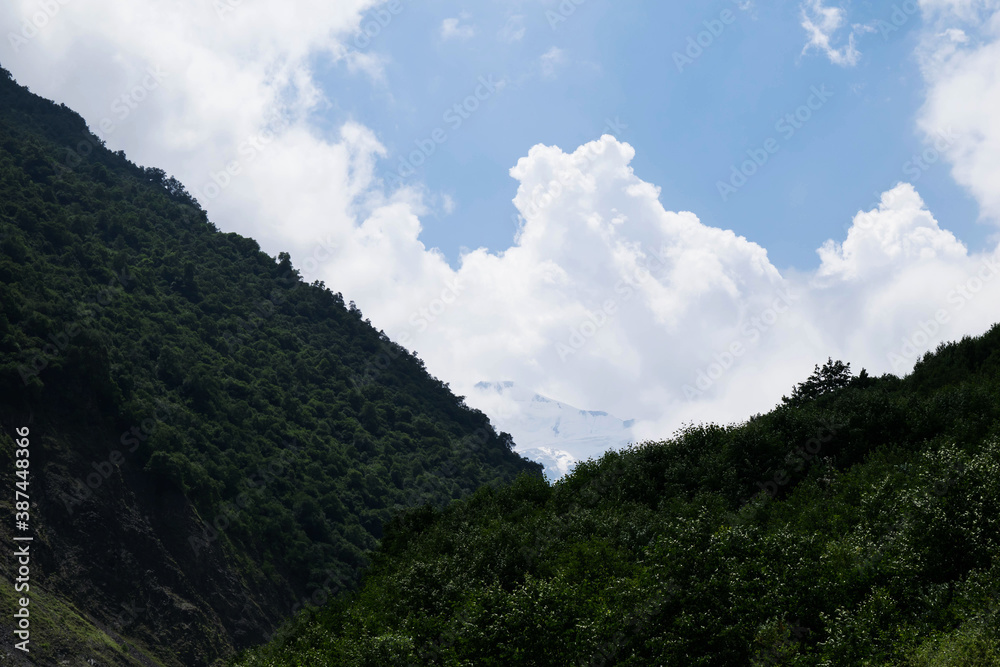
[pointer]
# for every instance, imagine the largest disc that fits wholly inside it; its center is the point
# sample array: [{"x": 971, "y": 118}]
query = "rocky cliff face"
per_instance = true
[{"x": 114, "y": 575}]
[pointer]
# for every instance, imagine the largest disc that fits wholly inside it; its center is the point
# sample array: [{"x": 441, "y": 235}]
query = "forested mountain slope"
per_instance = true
[
  {"x": 214, "y": 442},
  {"x": 856, "y": 524}
]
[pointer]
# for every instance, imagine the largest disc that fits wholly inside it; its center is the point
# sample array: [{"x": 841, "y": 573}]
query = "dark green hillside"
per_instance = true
[
  {"x": 856, "y": 524},
  {"x": 214, "y": 441}
]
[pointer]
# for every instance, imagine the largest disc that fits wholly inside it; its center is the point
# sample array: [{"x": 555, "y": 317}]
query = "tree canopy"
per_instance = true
[
  {"x": 857, "y": 524},
  {"x": 131, "y": 327}
]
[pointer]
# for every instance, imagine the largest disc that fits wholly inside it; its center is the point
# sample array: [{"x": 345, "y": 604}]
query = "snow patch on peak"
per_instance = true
[
  {"x": 557, "y": 463},
  {"x": 548, "y": 431}
]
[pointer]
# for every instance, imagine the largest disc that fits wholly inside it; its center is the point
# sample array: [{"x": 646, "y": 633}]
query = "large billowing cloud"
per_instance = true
[
  {"x": 216, "y": 92},
  {"x": 606, "y": 299},
  {"x": 961, "y": 62}
]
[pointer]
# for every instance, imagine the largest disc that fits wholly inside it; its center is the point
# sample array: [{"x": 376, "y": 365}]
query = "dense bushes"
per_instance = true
[
  {"x": 856, "y": 524},
  {"x": 121, "y": 304}
]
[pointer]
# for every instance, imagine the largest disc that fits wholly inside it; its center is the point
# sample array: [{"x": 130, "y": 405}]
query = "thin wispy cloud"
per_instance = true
[
  {"x": 551, "y": 61},
  {"x": 822, "y": 25},
  {"x": 454, "y": 28}
]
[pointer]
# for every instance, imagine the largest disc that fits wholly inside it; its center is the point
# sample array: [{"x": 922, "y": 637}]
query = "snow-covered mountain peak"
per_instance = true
[{"x": 549, "y": 431}]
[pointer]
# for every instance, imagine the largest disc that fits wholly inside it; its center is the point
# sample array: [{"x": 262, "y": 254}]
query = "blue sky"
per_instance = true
[
  {"x": 611, "y": 297},
  {"x": 617, "y": 66}
]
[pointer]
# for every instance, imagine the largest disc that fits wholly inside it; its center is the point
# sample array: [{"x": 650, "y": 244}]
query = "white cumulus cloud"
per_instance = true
[
  {"x": 961, "y": 63},
  {"x": 453, "y": 28},
  {"x": 607, "y": 299}
]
